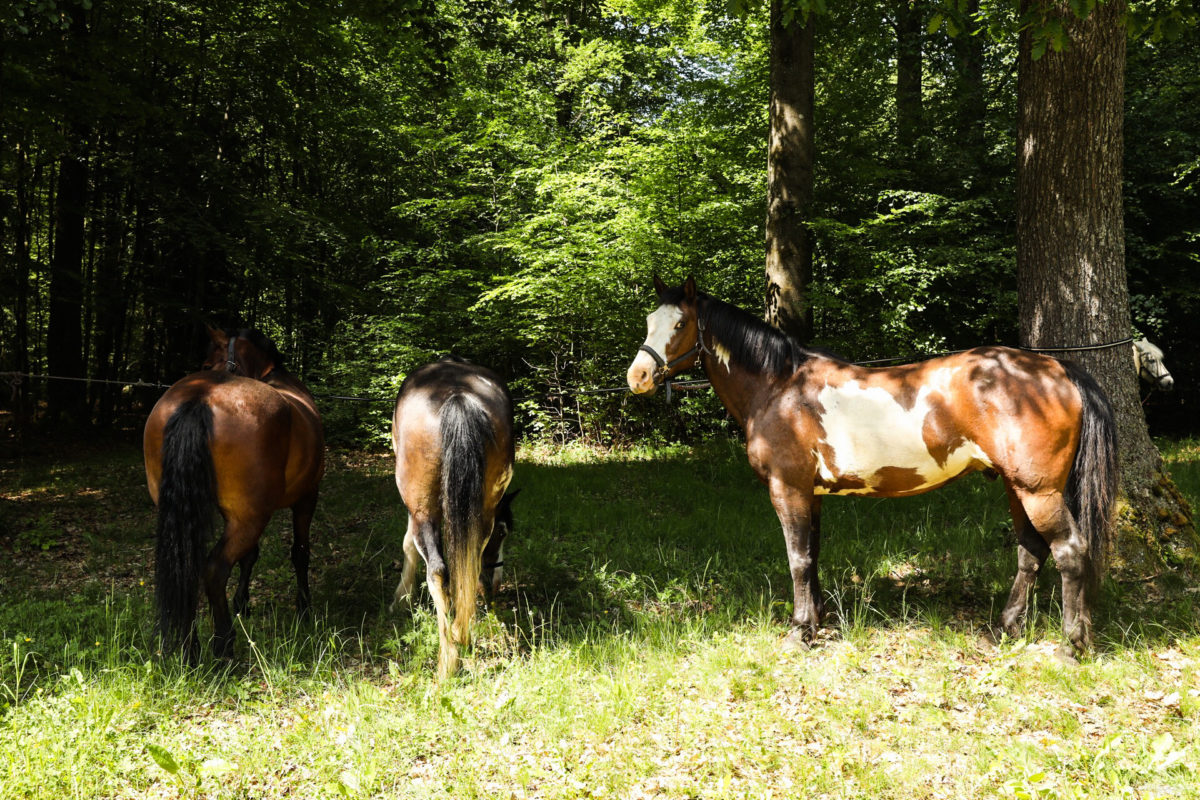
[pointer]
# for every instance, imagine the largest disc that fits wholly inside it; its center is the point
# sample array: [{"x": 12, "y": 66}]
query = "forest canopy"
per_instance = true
[{"x": 374, "y": 183}]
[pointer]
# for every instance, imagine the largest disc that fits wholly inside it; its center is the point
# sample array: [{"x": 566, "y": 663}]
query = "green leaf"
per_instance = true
[
  {"x": 163, "y": 758},
  {"x": 935, "y": 22}
]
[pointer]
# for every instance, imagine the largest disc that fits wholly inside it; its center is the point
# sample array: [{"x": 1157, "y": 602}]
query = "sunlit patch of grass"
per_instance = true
[{"x": 635, "y": 650}]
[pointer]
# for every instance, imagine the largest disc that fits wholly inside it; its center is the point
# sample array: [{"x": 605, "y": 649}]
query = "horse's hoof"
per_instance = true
[
  {"x": 996, "y": 634},
  {"x": 798, "y": 639},
  {"x": 1065, "y": 655}
]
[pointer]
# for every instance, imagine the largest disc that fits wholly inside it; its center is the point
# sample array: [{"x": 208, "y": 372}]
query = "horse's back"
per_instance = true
[
  {"x": 252, "y": 439},
  {"x": 908, "y": 429},
  {"x": 417, "y": 427}
]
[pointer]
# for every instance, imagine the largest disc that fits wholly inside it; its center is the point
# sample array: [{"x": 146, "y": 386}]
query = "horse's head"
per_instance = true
[
  {"x": 493, "y": 553},
  {"x": 243, "y": 352},
  {"x": 1150, "y": 368},
  {"x": 672, "y": 338}
]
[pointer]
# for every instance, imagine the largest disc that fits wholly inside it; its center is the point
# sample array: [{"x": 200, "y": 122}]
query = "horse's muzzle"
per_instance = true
[{"x": 641, "y": 375}]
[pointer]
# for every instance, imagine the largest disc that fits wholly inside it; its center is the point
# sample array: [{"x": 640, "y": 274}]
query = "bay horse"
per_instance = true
[
  {"x": 452, "y": 434},
  {"x": 243, "y": 436},
  {"x": 816, "y": 425}
]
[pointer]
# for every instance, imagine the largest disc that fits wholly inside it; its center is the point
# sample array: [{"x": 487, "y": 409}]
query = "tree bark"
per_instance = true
[
  {"x": 971, "y": 116},
  {"x": 910, "y": 29},
  {"x": 790, "y": 174},
  {"x": 1072, "y": 288}
]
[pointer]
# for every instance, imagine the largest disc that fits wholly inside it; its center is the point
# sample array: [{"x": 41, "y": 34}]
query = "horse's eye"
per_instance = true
[{"x": 679, "y": 325}]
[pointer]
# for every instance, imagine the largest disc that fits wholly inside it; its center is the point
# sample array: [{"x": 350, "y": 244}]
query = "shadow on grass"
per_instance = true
[{"x": 634, "y": 546}]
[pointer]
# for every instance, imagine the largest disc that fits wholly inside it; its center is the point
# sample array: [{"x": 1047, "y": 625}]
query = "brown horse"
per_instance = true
[
  {"x": 816, "y": 425},
  {"x": 452, "y": 433},
  {"x": 242, "y": 435}
]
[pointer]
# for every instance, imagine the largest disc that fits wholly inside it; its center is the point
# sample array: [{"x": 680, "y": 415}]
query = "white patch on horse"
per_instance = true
[
  {"x": 722, "y": 353},
  {"x": 867, "y": 429},
  {"x": 660, "y": 328}
]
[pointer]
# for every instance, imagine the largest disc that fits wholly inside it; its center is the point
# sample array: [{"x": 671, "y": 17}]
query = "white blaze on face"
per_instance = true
[
  {"x": 868, "y": 429},
  {"x": 660, "y": 328}
]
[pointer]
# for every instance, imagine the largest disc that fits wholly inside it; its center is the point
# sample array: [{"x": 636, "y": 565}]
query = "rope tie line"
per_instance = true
[
  {"x": 15, "y": 378},
  {"x": 1083, "y": 348}
]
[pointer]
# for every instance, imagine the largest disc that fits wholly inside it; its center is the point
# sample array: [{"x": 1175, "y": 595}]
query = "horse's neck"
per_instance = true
[{"x": 737, "y": 387}]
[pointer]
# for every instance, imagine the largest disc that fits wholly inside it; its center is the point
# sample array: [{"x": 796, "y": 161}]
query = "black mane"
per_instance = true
[{"x": 750, "y": 341}]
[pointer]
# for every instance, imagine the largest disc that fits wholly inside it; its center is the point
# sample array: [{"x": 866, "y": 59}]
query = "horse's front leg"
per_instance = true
[{"x": 799, "y": 514}]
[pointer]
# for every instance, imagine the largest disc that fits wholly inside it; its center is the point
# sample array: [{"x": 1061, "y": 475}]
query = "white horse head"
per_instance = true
[{"x": 1148, "y": 360}]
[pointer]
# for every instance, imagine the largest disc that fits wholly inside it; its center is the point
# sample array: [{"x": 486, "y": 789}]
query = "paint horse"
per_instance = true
[
  {"x": 244, "y": 436},
  {"x": 452, "y": 433},
  {"x": 817, "y": 426},
  {"x": 1148, "y": 360}
]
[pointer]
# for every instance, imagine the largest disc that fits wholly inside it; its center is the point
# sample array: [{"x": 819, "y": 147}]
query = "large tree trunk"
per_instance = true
[
  {"x": 1072, "y": 287},
  {"x": 64, "y": 338},
  {"x": 970, "y": 93},
  {"x": 910, "y": 29},
  {"x": 790, "y": 175}
]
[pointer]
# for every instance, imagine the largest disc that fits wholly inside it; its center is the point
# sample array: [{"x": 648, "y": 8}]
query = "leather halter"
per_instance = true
[
  {"x": 231, "y": 363},
  {"x": 234, "y": 366},
  {"x": 660, "y": 376}
]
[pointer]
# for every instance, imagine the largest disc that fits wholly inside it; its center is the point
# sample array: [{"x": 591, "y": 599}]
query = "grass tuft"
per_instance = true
[{"x": 635, "y": 650}]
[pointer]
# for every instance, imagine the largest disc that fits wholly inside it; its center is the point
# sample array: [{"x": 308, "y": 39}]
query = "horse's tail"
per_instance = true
[
  {"x": 1092, "y": 485},
  {"x": 466, "y": 432},
  {"x": 186, "y": 496}
]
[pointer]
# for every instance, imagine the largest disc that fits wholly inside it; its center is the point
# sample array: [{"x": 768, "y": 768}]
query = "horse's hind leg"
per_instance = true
[
  {"x": 240, "y": 537},
  {"x": 302, "y": 515},
  {"x": 1031, "y": 554},
  {"x": 437, "y": 578},
  {"x": 1049, "y": 514},
  {"x": 241, "y": 598},
  {"x": 408, "y": 577}
]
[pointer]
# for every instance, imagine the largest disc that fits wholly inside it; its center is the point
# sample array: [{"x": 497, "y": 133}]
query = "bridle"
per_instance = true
[
  {"x": 1146, "y": 365},
  {"x": 663, "y": 368},
  {"x": 231, "y": 363}
]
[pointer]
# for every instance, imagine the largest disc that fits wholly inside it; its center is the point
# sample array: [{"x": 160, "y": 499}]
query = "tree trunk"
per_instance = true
[
  {"x": 910, "y": 28},
  {"x": 790, "y": 175},
  {"x": 971, "y": 102},
  {"x": 64, "y": 339},
  {"x": 1071, "y": 280}
]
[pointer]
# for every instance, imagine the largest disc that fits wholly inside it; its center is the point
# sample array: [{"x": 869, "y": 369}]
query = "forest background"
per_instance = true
[{"x": 374, "y": 183}]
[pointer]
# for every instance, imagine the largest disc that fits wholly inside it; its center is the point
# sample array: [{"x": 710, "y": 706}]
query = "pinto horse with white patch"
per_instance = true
[
  {"x": 452, "y": 433},
  {"x": 816, "y": 425}
]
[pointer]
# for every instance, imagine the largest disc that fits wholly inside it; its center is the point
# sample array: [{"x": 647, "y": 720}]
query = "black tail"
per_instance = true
[
  {"x": 466, "y": 433},
  {"x": 186, "y": 496},
  {"x": 1092, "y": 485}
]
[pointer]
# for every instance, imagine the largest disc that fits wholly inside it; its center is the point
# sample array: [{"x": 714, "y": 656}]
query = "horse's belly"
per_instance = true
[{"x": 874, "y": 445}]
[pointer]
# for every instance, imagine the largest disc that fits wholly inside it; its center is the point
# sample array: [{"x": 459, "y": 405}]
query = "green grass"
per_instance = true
[{"x": 635, "y": 651}]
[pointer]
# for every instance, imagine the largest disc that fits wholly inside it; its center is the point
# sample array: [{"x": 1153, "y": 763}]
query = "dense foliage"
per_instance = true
[{"x": 376, "y": 182}]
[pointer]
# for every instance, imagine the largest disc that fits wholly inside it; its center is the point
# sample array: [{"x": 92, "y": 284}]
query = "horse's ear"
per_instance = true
[
  {"x": 659, "y": 286},
  {"x": 216, "y": 334},
  {"x": 689, "y": 288}
]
